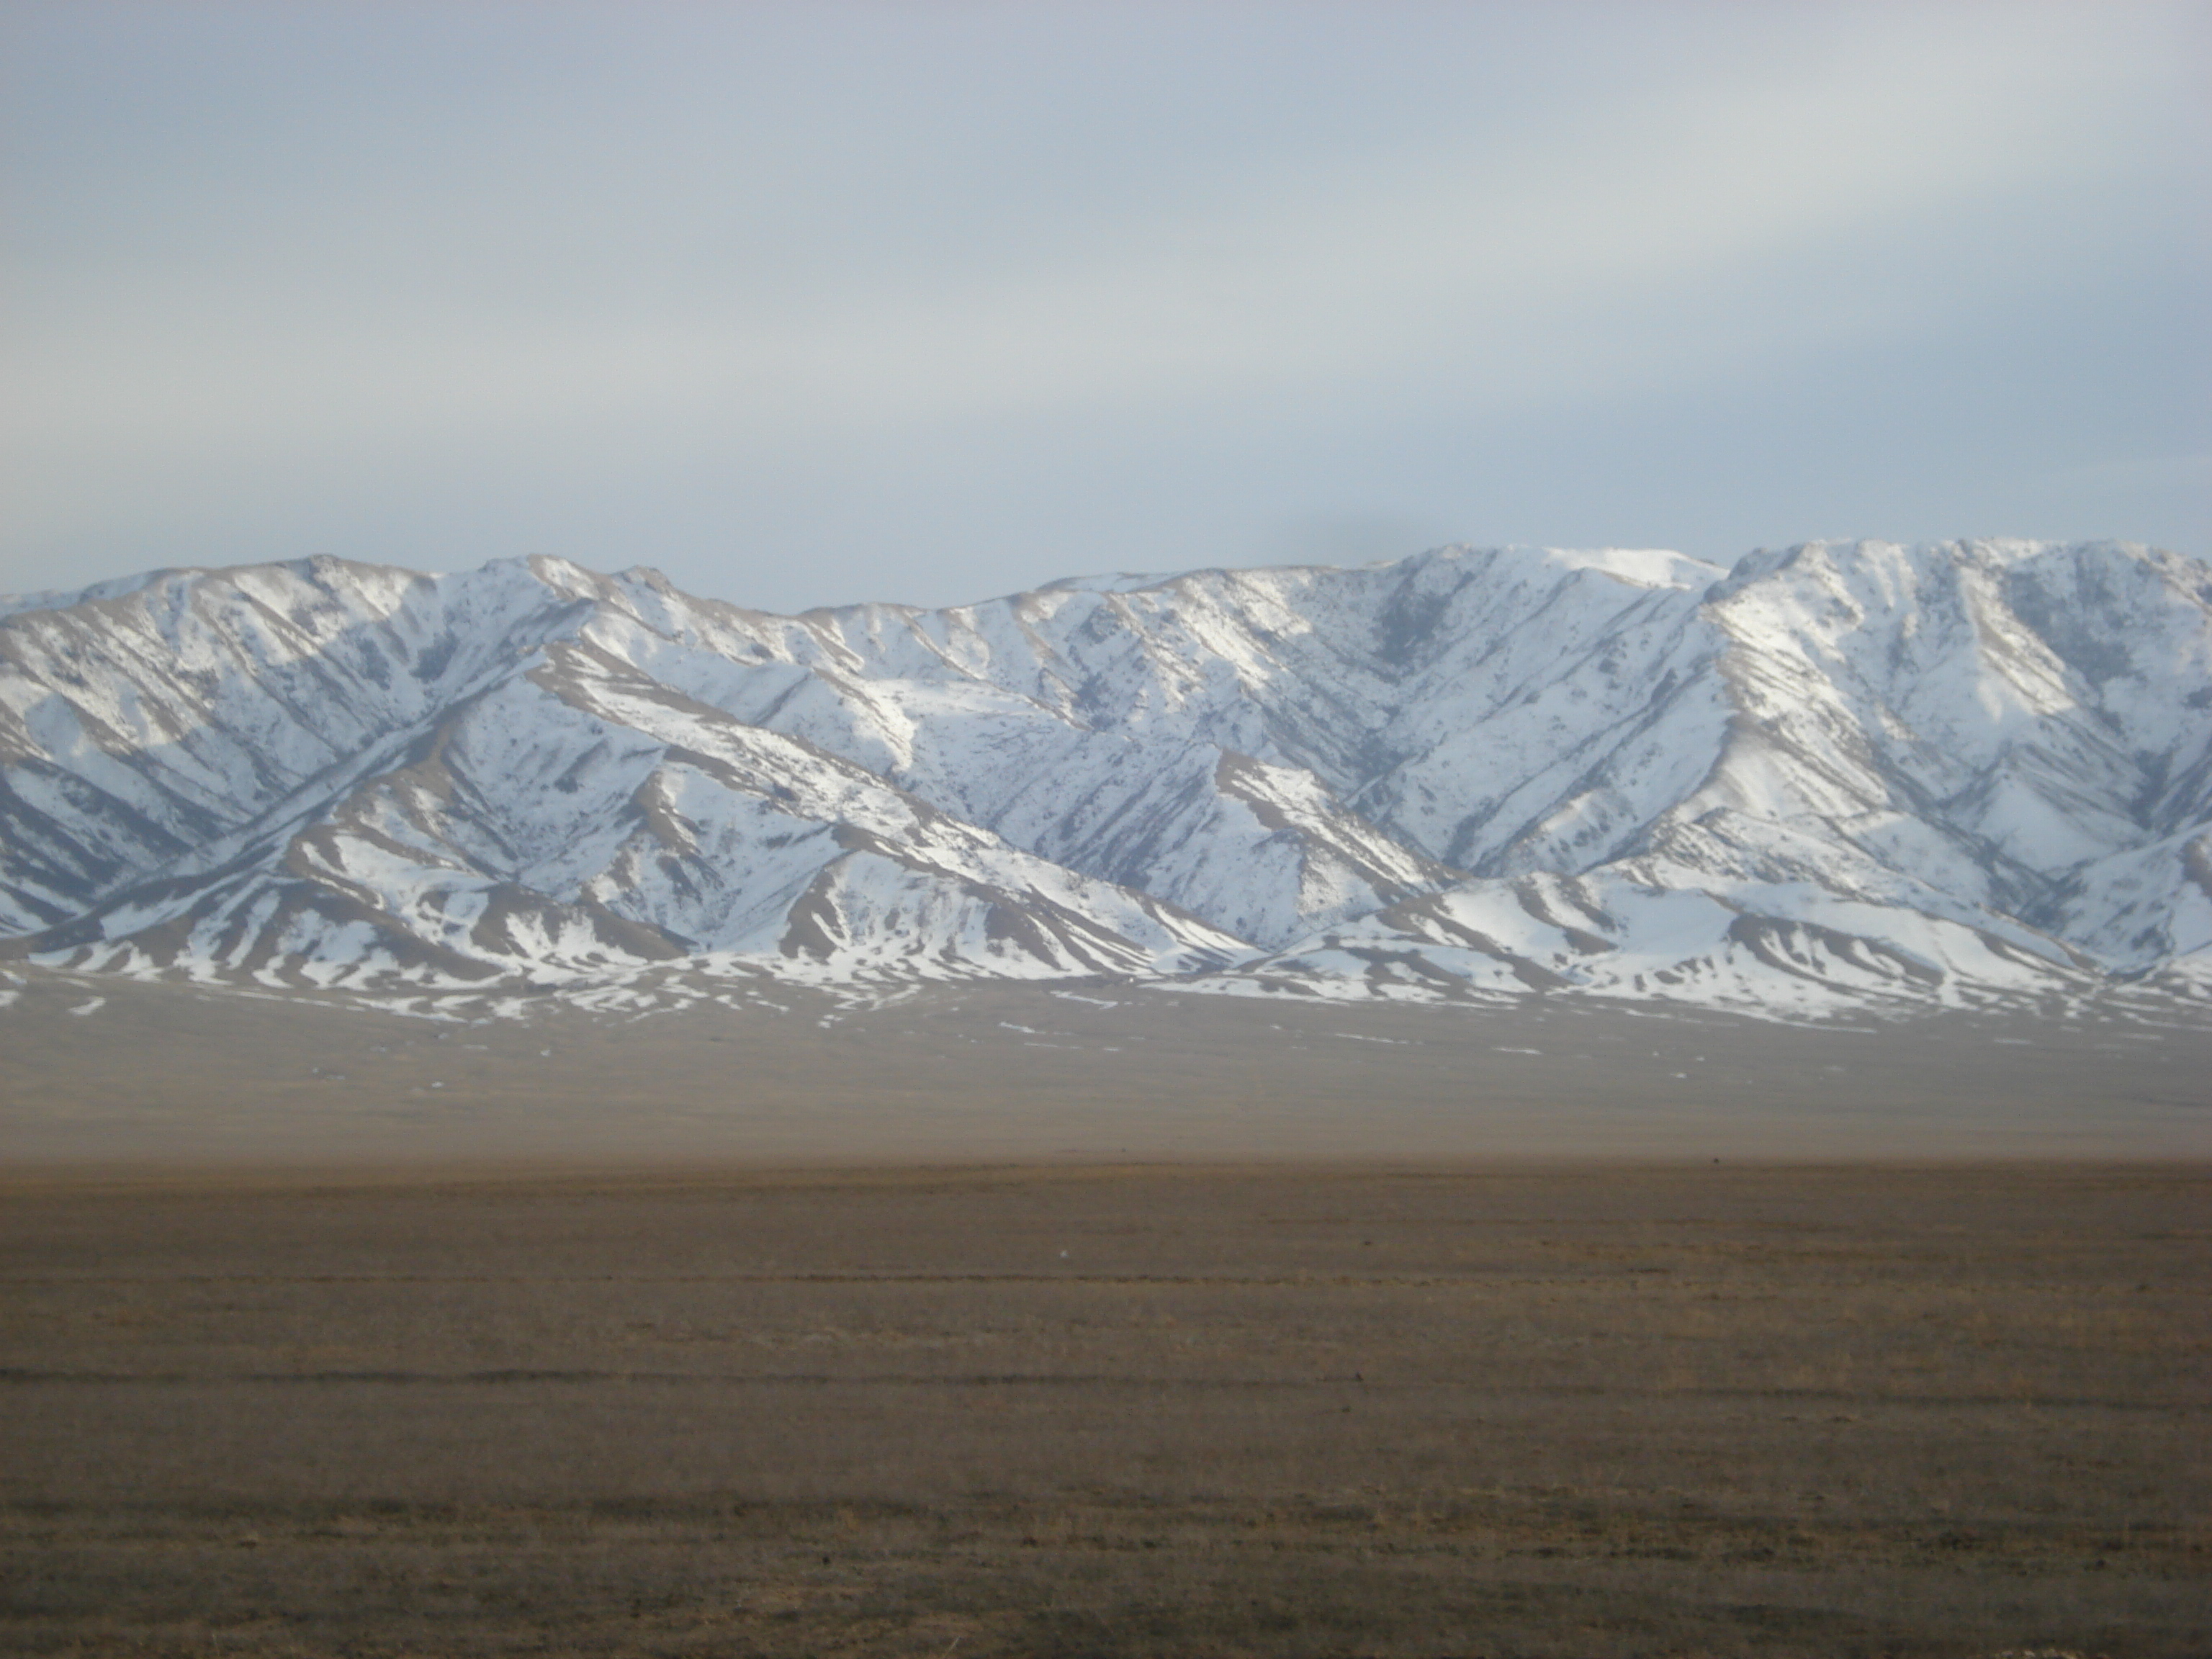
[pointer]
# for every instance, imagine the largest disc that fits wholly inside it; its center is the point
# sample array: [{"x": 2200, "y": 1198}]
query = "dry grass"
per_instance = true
[{"x": 1582, "y": 1412}]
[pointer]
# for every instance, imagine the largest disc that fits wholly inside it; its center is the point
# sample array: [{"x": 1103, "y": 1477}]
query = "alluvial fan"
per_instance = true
[{"x": 1841, "y": 777}]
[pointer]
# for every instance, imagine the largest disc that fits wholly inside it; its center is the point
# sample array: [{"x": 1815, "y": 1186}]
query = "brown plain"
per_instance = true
[{"x": 1506, "y": 1409}]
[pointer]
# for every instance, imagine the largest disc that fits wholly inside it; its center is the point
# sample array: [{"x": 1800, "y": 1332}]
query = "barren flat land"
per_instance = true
[
  {"x": 939, "y": 1328},
  {"x": 101, "y": 1071}
]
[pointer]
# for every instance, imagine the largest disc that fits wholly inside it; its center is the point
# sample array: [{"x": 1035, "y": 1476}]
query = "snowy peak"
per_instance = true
[{"x": 1838, "y": 775}]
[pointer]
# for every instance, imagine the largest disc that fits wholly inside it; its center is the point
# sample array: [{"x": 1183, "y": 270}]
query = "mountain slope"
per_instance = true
[{"x": 1836, "y": 776}]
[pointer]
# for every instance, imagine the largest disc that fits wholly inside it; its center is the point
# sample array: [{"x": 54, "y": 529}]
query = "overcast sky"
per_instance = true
[{"x": 815, "y": 302}]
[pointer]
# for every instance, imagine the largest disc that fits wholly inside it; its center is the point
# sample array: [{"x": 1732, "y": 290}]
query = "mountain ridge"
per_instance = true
[{"x": 1830, "y": 778}]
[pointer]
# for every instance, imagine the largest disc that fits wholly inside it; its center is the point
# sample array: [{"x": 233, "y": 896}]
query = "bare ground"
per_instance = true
[
  {"x": 1581, "y": 1409},
  {"x": 101, "y": 1071}
]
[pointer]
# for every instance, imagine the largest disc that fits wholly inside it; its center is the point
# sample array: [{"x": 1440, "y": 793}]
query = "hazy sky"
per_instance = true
[{"x": 814, "y": 302}]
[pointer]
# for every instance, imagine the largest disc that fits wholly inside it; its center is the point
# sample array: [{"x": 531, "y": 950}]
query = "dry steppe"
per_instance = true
[
  {"x": 1519, "y": 1409},
  {"x": 101, "y": 1070},
  {"x": 985, "y": 1319}
]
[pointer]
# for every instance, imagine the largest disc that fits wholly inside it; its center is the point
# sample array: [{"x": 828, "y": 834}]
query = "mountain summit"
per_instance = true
[{"x": 1837, "y": 777}]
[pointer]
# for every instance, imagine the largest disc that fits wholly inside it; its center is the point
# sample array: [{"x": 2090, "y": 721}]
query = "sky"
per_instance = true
[{"x": 804, "y": 304}]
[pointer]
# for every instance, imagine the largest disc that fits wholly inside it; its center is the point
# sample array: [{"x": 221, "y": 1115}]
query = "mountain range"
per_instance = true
[{"x": 1839, "y": 778}]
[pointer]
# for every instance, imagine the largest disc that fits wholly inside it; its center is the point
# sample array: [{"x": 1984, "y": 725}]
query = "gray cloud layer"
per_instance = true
[{"x": 821, "y": 302}]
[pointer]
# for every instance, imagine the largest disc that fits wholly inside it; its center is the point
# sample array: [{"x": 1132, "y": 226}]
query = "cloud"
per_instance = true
[{"x": 595, "y": 266}]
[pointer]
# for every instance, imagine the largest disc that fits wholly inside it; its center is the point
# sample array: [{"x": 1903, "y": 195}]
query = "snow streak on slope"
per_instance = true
[{"x": 1836, "y": 777}]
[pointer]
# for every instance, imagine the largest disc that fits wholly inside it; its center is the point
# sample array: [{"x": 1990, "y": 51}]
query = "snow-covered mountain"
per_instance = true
[{"x": 1835, "y": 777}]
